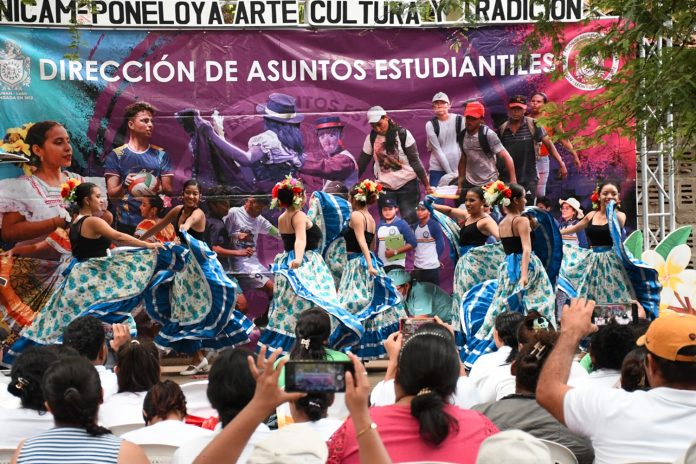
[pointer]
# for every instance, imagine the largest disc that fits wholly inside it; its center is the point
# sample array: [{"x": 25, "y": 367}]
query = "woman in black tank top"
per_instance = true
[
  {"x": 301, "y": 278},
  {"x": 187, "y": 217},
  {"x": 91, "y": 236}
]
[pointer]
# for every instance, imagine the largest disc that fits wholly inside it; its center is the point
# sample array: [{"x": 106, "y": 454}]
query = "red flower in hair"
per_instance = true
[
  {"x": 64, "y": 192},
  {"x": 507, "y": 193},
  {"x": 297, "y": 190},
  {"x": 274, "y": 192},
  {"x": 379, "y": 187},
  {"x": 501, "y": 187},
  {"x": 594, "y": 197},
  {"x": 72, "y": 183}
]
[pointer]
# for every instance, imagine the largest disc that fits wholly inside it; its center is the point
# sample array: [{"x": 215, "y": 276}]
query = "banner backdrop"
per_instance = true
[{"x": 191, "y": 76}]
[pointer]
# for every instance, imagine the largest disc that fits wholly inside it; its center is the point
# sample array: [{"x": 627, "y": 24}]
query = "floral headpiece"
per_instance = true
[
  {"x": 67, "y": 190},
  {"x": 14, "y": 142},
  {"x": 292, "y": 184},
  {"x": 595, "y": 198},
  {"x": 497, "y": 193},
  {"x": 366, "y": 188}
]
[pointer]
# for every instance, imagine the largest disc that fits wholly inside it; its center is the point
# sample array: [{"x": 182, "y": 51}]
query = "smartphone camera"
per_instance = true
[
  {"x": 621, "y": 313},
  {"x": 316, "y": 376},
  {"x": 409, "y": 325}
]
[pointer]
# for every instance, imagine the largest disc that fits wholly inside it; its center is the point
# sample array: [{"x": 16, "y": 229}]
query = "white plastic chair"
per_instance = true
[
  {"x": 119, "y": 430},
  {"x": 197, "y": 403},
  {"x": 559, "y": 453},
  {"x": 159, "y": 454},
  {"x": 6, "y": 455}
]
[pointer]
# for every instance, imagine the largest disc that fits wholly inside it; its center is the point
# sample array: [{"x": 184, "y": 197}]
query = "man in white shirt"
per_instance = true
[
  {"x": 505, "y": 337},
  {"x": 244, "y": 224},
  {"x": 655, "y": 425},
  {"x": 442, "y": 132}
]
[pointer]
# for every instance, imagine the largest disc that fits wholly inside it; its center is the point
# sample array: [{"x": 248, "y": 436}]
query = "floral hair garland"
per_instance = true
[
  {"x": 295, "y": 186},
  {"x": 67, "y": 190},
  {"x": 497, "y": 193},
  {"x": 366, "y": 188},
  {"x": 595, "y": 198},
  {"x": 14, "y": 142}
]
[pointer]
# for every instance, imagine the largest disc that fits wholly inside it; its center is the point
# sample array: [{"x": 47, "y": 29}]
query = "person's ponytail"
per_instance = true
[{"x": 435, "y": 424}]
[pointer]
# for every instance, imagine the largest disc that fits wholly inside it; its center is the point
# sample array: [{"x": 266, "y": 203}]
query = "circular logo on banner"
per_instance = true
[{"x": 590, "y": 73}]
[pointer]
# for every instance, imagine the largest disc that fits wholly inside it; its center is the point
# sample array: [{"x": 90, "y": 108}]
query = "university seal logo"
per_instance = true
[
  {"x": 588, "y": 73},
  {"x": 14, "y": 68}
]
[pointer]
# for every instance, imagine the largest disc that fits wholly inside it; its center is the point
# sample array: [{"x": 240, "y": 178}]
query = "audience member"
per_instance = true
[
  {"x": 384, "y": 394},
  {"x": 73, "y": 394},
  {"x": 164, "y": 410},
  {"x": 505, "y": 337},
  {"x": 312, "y": 410},
  {"x": 608, "y": 348},
  {"x": 230, "y": 389},
  {"x": 521, "y": 411},
  {"x": 86, "y": 335},
  {"x": 137, "y": 370},
  {"x": 654, "y": 425},
  {"x": 31, "y": 417},
  {"x": 421, "y": 425},
  {"x": 633, "y": 376},
  {"x": 513, "y": 446}
]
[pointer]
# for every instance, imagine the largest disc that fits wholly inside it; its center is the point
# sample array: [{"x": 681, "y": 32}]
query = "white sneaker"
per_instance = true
[{"x": 202, "y": 367}]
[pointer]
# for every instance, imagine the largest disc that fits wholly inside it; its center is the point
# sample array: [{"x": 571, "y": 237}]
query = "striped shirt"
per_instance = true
[{"x": 70, "y": 445}]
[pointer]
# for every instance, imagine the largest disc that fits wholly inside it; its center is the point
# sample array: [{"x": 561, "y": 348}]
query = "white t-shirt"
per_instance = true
[
  {"x": 641, "y": 426},
  {"x": 501, "y": 383},
  {"x": 391, "y": 170},
  {"x": 486, "y": 363},
  {"x": 108, "y": 380},
  {"x": 325, "y": 427},
  {"x": 445, "y": 145},
  {"x": 190, "y": 450},
  {"x": 19, "y": 424},
  {"x": 122, "y": 408},
  {"x": 425, "y": 256},
  {"x": 236, "y": 221},
  {"x": 168, "y": 432},
  {"x": 465, "y": 396},
  {"x": 604, "y": 378}
]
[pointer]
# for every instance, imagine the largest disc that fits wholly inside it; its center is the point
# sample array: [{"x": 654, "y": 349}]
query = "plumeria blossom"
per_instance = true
[
  {"x": 678, "y": 282},
  {"x": 497, "y": 193}
]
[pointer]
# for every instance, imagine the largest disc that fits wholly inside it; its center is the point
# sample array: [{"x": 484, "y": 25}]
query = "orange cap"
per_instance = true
[{"x": 669, "y": 334}]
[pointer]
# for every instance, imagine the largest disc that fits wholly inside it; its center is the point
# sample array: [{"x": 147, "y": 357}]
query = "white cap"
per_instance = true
[
  {"x": 441, "y": 96},
  {"x": 513, "y": 446},
  {"x": 374, "y": 114},
  {"x": 573, "y": 203}
]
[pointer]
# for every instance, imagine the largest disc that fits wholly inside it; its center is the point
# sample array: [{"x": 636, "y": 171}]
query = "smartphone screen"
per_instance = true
[
  {"x": 409, "y": 325},
  {"x": 316, "y": 376},
  {"x": 622, "y": 313}
]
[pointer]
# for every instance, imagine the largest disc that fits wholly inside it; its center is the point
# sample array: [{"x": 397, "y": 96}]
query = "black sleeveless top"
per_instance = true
[
  {"x": 84, "y": 248},
  {"x": 313, "y": 239},
  {"x": 471, "y": 235},
  {"x": 512, "y": 245},
  {"x": 598, "y": 235},
  {"x": 352, "y": 245},
  {"x": 193, "y": 233}
]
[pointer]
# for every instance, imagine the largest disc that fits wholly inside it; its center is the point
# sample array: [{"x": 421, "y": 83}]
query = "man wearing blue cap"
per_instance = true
[
  {"x": 422, "y": 298},
  {"x": 334, "y": 163}
]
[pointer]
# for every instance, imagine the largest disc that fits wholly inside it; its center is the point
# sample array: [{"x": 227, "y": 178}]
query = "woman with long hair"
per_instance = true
[
  {"x": 152, "y": 209},
  {"x": 195, "y": 304},
  {"x": 605, "y": 273},
  {"x": 422, "y": 425},
  {"x": 73, "y": 395},
  {"x": 365, "y": 290},
  {"x": 523, "y": 284},
  {"x": 302, "y": 279}
]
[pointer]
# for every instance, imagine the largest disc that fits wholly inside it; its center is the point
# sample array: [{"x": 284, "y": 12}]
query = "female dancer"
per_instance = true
[
  {"x": 478, "y": 262},
  {"x": 605, "y": 273},
  {"x": 302, "y": 280},
  {"x": 96, "y": 285},
  {"x": 152, "y": 209},
  {"x": 195, "y": 305},
  {"x": 522, "y": 282},
  {"x": 365, "y": 289}
]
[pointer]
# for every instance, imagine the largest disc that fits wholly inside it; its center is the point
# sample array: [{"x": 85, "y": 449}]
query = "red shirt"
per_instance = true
[{"x": 399, "y": 432}]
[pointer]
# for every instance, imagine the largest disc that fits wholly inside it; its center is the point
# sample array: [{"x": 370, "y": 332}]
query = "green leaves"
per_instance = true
[{"x": 674, "y": 239}]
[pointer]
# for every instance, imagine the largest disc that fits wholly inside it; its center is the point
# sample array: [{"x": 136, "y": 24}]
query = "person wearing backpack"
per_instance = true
[
  {"x": 397, "y": 164},
  {"x": 522, "y": 137},
  {"x": 480, "y": 149},
  {"x": 442, "y": 132}
]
